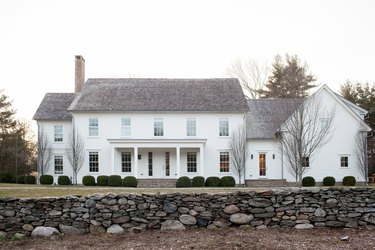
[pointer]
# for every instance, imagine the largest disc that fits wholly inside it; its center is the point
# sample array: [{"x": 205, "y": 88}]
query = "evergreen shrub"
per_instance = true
[
  {"x": 130, "y": 181},
  {"x": 183, "y": 181},
  {"x": 329, "y": 181},
  {"x": 88, "y": 180},
  {"x": 63, "y": 180},
  {"x": 349, "y": 181},
  {"x": 46, "y": 179},
  {"x": 102, "y": 180},
  {"x": 30, "y": 179},
  {"x": 227, "y": 181},
  {"x": 213, "y": 181},
  {"x": 114, "y": 181},
  {"x": 308, "y": 181},
  {"x": 197, "y": 181}
]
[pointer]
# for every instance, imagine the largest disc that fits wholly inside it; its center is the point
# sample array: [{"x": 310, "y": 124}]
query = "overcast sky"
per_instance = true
[{"x": 176, "y": 39}]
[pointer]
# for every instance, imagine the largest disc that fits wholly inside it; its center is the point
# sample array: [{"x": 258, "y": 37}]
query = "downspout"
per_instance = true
[{"x": 244, "y": 171}]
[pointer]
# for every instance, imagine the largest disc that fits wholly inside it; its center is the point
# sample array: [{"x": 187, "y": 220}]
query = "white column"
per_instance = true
[
  {"x": 136, "y": 162},
  {"x": 113, "y": 159},
  {"x": 178, "y": 165},
  {"x": 201, "y": 160}
]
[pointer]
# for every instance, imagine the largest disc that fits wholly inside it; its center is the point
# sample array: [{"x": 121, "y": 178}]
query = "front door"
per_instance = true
[
  {"x": 167, "y": 165},
  {"x": 262, "y": 165}
]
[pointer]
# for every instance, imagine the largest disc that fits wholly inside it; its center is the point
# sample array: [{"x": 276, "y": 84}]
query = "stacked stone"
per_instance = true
[{"x": 111, "y": 213}]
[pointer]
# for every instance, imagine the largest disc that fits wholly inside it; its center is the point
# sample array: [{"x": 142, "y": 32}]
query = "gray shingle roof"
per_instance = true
[
  {"x": 54, "y": 107},
  {"x": 138, "y": 94},
  {"x": 267, "y": 115}
]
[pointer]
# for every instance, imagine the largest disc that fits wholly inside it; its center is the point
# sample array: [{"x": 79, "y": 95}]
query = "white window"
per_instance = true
[
  {"x": 93, "y": 127},
  {"x": 223, "y": 127},
  {"x": 344, "y": 161},
  {"x": 224, "y": 161},
  {"x": 58, "y": 133},
  {"x": 158, "y": 127},
  {"x": 126, "y": 127},
  {"x": 93, "y": 161},
  {"x": 191, "y": 127},
  {"x": 59, "y": 164},
  {"x": 126, "y": 161},
  {"x": 192, "y": 162}
]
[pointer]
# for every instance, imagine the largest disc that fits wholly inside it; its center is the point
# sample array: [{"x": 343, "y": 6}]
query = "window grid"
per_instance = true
[
  {"x": 58, "y": 133},
  {"x": 59, "y": 164},
  {"x": 344, "y": 161},
  {"x": 149, "y": 163},
  {"x": 305, "y": 162},
  {"x": 223, "y": 127},
  {"x": 191, "y": 127},
  {"x": 93, "y": 161},
  {"x": 125, "y": 127},
  {"x": 224, "y": 161},
  {"x": 262, "y": 165},
  {"x": 126, "y": 162},
  {"x": 167, "y": 164},
  {"x": 191, "y": 162},
  {"x": 158, "y": 127},
  {"x": 93, "y": 127}
]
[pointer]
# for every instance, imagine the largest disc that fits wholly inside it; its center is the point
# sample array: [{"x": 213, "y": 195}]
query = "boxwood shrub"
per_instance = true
[
  {"x": 102, "y": 180},
  {"x": 129, "y": 181},
  {"x": 30, "y": 179},
  {"x": 197, "y": 181},
  {"x": 21, "y": 179},
  {"x": 213, "y": 181},
  {"x": 329, "y": 181},
  {"x": 183, "y": 181},
  {"x": 46, "y": 179},
  {"x": 88, "y": 180},
  {"x": 349, "y": 181},
  {"x": 114, "y": 181},
  {"x": 308, "y": 181},
  {"x": 227, "y": 181},
  {"x": 63, "y": 180}
]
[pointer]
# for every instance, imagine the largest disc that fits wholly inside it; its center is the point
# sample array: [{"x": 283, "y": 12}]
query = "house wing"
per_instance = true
[{"x": 54, "y": 107}]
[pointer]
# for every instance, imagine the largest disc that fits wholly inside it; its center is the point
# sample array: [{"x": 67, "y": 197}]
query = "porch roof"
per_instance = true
[{"x": 156, "y": 143}]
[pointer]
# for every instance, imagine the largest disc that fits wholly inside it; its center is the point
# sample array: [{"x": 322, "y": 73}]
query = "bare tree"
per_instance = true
[
  {"x": 303, "y": 133},
  {"x": 251, "y": 74},
  {"x": 238, "y": 152},
  {"x": 44, "y": 151},
  {"x": 361, "y": 153},
  {"x": 75, "y": 152}
]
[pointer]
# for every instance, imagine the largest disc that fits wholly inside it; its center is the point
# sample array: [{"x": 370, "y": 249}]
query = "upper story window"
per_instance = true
[
  {"x": 344, "y": 161},
  {"x": 58, "y": 133},
  {"x": 191, "y": 127},
  {"x": 223, "y": 127},
  {"x": 58, "y": 164},
  {"x": 158, "y": 127},
  {"x": 93, "y": 127},
  {"x": 93, "y": 161},
  {"x": 305, "y": 162},
  {"x": 126, "y": 127},
  {"x": 224, "y": 161}
]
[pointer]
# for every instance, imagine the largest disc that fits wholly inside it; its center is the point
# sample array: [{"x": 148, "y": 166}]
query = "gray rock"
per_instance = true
[
  {"x": 188, "y": 219},
  {"x": 44, "y": 231},
  {"x": 205, "y": 214},
  {"x": 109, "y": 201},
  {"x": 140, "y": 220},
  {"x": 369, "y": 218},
  {"x": 257, "y": 210},
  {"x": 54, "y": 213},
  {"x": 192, "y": 212},
  {"x": 231, "y": 209},
  {"x": 288, "y": 223},
  {"x": 183, "y": 210},
  {"x": 7, "y": 213},
  {"x": 261, "y": 227},
  {"x": 121, "y": 220},
  {"x": 28, "y": 227},
  {"x": 138, "y": 229},
  {"x": 202, "y": 222},
  {"x": 172, "y": 225},
  {"x": 79, "y": 210},
  {"x": 260, "y": 202},
  {"x": 143, "y": 206},
  {"x": 122, "y": 201},
  {"x": 334, "y": 224},
  {"x": 19, "y": 236},
  {"x": 212, "y": 227},
  {"x": 303, "y": 226},
  {"x": 221, "y": 222},
  {"x": 331, "y": 201},
  {"x": 115, "y": 229},
  {"x": 241, "y": 218},
  {"x": 97, "y": 229},
  {"x": 170, "y": 207},
  {"x": 90, "y": 203},
  {"x": 352, "y": 224},
  {"x": 319, "y": 212},
  {"x": 69, "y": 230},
  {"x": 199, "y": 208}
]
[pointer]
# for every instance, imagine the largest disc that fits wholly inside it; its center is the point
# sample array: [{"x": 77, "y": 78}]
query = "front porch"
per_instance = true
[{"x": 157, "y": 159}]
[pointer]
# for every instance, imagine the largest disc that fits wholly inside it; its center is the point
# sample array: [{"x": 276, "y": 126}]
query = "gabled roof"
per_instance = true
[
  {"x": 54, "y": 106},
  {"x": 267, "y": 115},
  {"x": 139, "y": 94}
]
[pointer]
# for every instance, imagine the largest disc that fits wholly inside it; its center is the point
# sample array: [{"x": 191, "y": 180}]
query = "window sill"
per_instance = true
[{"x": 93, "y": 137}]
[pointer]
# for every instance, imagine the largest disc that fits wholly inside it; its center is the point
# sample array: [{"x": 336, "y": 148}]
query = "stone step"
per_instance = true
[{"x": 157, "y": 183}]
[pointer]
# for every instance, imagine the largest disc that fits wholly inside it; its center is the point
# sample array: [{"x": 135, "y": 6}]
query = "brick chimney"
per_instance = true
[{"x": 79, "y": 73}]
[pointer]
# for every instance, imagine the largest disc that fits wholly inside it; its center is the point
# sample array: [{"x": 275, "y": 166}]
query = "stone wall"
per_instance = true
[{"x": 299, "y": 208}]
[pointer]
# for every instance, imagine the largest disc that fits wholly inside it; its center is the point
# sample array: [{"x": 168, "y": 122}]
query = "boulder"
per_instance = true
[
  {"x": 115, "y": 229},
  {"x": 183, "y": 210},
  {"x": 221, "y": 222},
  {"x": 69, "y": 230},
  {"x": 28, "y": 227},
  {"x": 172, "y": 225},
  {"x": 188, "y": 219},
  {"x": 231, "y": 209},
  {"x": 241, "y": 218},
  {"x": 319, "y": 212},
  {"x": 169, "y": 207},
  {"x": 94, "y": 229},
  {"x": 44, "y": 231},
  {"x": 303, "y": 226}
]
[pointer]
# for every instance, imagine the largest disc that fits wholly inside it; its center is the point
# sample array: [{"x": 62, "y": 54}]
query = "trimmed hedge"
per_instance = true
[
  {"x": 63, "y": 180},
  {"x": 46, "y": 179},
  {"x": 7, "y": 178},
  {"x": 213, "y": 181},
  {"x": 227, "y": 181},
  {"x": 129, "y": 181},
  {"x": 21, "y": 179},
  {"x": 349, "y": 181},
  {"x": 308, "y": 181},
  {"x": 329, "y": 181},
  {"x": 30, "y": 179},
  {"x": 102, "y": 180},
  {"x": 183, "y": 181},
  {"x": 88, "y": 180},
  {"x": 114, "y": 181},
  {"x": 197, "y": 181}
]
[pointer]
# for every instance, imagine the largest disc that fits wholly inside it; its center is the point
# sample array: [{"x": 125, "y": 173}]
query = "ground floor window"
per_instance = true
[
  {"x": 344, "y": 161},
  {"x": 305, "y": 162},
  {"x": 262, "y": 165},
  {"x": 224, "y": 161},
  {"x": 192, "y": 162},
  {"x": 149, "y": 163},
  {"x": 59, "y": 163},
  {"x": 93, "y": 161},
  {"x": 167, "y": 164},
  {"x": 126, "y": 162}
]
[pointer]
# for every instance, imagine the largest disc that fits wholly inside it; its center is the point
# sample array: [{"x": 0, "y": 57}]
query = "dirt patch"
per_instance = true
[{"x": 231, "y": 238}]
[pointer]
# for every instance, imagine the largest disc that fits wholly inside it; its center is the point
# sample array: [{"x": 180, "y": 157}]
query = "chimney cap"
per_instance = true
[{"x": 79, "y": 57}]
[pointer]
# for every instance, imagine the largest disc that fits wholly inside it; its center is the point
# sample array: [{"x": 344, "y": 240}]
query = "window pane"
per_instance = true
[
  {"x": 305, "y": 162},
  {"x": 58, "y": 133},
  {"x": 158, "y": 127},
  {"x": 58, "y": 163},
  {"x": 344, "y": 161},
  {"x": 223, "y": 127},
  {"x": 149, "y": 163},
  {"x": 191, "y": 127},
  {"x": 125, "y": 127},
  {"x": 93, "y": 161},
  {"x": 126, "y": 161},
  {"x": 224, "y": 161},
  {"x": 192, "y": 162},
  {"x": 93, "y": 127}
]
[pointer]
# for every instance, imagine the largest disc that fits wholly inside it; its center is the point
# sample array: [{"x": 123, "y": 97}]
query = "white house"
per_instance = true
[{"x": 161, "y": 129}]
